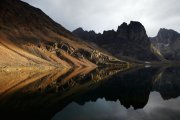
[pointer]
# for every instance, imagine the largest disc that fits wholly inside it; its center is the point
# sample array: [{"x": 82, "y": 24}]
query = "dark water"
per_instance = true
[{"x": 102, "y": 94}]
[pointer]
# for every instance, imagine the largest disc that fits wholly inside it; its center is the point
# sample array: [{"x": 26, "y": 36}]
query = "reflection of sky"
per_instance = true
[{"x": 156, "y": 109}]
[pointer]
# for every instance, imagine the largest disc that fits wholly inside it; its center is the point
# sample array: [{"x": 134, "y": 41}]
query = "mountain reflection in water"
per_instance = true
[
  {"x": 155, "y": 109},
  {"x": 100, "y": 94}
]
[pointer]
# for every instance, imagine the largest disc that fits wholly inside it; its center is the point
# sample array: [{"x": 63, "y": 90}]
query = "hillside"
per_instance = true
[{"x": 28, "y": 37}]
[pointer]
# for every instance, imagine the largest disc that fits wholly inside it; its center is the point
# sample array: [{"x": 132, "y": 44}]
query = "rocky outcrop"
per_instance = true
[
  {"x": 167, "y": 42},
  {"x": 129, "y": 41}
]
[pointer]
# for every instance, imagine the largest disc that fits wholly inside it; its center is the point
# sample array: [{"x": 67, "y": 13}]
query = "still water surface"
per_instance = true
[{"x": 83, "y": 94}]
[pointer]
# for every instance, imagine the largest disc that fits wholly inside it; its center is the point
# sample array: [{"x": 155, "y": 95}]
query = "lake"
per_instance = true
[{"x": 140, "y": 93}]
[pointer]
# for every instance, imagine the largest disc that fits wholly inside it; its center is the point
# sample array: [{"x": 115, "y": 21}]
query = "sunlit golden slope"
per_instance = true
[{"x": 28, "y": 37}]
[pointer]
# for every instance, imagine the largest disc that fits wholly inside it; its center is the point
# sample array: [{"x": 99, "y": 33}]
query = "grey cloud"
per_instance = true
[{"x": 102, "y": 15}]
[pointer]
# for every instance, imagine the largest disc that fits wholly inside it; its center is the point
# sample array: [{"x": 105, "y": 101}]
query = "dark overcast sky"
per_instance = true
[{"x": 102, "y": 15}]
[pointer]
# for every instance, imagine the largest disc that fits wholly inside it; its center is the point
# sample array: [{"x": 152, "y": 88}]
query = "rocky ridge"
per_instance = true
[
  {"x": 167, "y": 42},
  {"x": 128, "y": 41}
]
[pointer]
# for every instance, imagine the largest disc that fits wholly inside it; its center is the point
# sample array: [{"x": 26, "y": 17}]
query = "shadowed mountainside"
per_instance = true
[
  {"x": 129, "y": 41},
  {"x": 167, "y": 42}
]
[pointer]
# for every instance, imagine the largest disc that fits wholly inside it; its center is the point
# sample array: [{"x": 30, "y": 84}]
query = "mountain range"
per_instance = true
[
  {"x": 128, "y": 42},
  {"x": 131, "y": 41}
]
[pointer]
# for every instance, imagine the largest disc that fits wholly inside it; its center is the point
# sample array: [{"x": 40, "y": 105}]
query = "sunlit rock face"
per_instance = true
[
  {"x": 129, "y": 41},
  {"x": 168, "y": 42}
]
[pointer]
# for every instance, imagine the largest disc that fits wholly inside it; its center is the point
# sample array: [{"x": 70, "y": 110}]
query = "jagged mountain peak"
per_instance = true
[
  {"x": 108, "y": 31},
  {"x": 123, "y": 26},
  {"x": 80, "y": 29},
  {"x": 133, "y": 25},
  {"x": 136, "y": 26}
]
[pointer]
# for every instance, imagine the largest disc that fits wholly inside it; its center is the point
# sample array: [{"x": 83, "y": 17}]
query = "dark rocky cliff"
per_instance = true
[
  {"x": 129, "y": 41},
  {"x": 168, "y": 42}
]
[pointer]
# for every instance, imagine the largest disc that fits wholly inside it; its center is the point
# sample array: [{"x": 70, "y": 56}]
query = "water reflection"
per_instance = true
[
  {"x": 156, "y": 109},
  {"x": 42, "y": 95}
]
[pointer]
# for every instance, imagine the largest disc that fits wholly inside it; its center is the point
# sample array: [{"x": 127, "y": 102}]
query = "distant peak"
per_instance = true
[
  {"x": 164, "y": 31},
  {"x": 161, "y": 30},
  {"x": 133, "y": 26},
  {"x": 136, "y": 24},
  {"x": 122, "y": 26},
  {"x": 79, "y": 29},
  {"x": 92, "y": 31}
]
